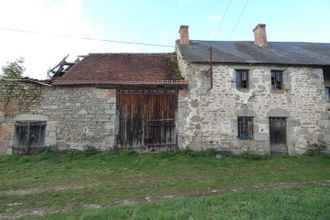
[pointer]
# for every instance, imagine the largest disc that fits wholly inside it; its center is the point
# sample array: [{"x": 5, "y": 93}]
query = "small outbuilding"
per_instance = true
[{"x": 104, "y": 100}]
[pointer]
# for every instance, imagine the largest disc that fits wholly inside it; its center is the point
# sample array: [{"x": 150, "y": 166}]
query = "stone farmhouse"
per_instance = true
[{"x": 256, "y": 96}]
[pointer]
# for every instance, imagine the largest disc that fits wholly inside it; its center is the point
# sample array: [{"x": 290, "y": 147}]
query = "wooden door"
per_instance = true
[
  {"x": 277, "y": 135},
  {"x": 147, "y": 118}
]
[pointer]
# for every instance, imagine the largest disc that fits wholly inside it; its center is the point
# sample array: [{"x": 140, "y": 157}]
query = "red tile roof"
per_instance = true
[{"x": 123, "y": 69}]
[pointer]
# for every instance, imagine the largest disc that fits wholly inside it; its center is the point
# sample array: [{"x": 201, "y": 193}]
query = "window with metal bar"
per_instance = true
[
  {"x": 245, "y": 128},
  {"x": 277, "y": 79},
  {"x": 327, "y": 92},
  {"x": 242, "y": 79},
  {"x": 29, "y": 135}
]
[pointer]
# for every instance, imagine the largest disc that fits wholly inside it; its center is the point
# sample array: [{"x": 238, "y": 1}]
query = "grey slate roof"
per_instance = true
[{"x": 284, "y": 53}]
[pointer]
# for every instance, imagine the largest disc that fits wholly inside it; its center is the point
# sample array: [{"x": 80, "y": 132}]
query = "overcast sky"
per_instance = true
[{"x": 56, "y": 26}]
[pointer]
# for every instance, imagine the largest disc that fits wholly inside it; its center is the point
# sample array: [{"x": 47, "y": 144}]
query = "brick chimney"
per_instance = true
[
  {"x": 260, "y": 36},
  {"x": 184, "y": 34}
]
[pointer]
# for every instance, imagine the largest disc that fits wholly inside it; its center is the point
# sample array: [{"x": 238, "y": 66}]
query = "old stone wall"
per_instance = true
[
  {"x": 211, "y": 119},
  {"x": 76, "y": 117},
  {"x": 326, "y": 117},
  {"x": 15, "y": 99}
]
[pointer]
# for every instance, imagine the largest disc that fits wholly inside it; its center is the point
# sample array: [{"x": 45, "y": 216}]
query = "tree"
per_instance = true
[
  {"x": 14, "y": 69},
  {"x": 10, "y": 72}
]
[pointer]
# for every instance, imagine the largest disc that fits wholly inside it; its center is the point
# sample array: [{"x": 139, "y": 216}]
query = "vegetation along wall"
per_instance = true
[{"x": 36, "y": 115}]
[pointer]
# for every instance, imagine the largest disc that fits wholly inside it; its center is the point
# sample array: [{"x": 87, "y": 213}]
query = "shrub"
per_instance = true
[
  {"x": 316, "y": 149},
  {"x": 88, "y": 149}
]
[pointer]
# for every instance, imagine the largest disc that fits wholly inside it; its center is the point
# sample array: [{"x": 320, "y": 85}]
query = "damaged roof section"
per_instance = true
[
  {"x": 283, "y": 53},
  {"x": 123, "y": 69},
  {"x": 62, "y": 67}
]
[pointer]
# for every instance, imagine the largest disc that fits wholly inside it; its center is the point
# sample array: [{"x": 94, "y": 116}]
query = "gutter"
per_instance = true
[{"x": 211, "y": 69}]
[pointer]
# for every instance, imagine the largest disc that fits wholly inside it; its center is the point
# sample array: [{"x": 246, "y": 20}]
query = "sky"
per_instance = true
[{"x": 45, "y": 31}]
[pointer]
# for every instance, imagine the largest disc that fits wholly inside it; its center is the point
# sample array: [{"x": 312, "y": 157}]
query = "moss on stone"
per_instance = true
[{"x": 173, "y": 67}]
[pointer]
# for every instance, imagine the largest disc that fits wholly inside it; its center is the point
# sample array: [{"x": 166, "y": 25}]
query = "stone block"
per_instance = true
[
  {"x": 261, "y": 136},
  {"x": 82, "y": 112},
  {"x": 196, "y": 118},
  {"x": 109, "y": 125}
]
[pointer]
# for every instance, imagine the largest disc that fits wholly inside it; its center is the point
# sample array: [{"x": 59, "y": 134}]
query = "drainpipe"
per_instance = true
[{"x": 211, "y": 69}]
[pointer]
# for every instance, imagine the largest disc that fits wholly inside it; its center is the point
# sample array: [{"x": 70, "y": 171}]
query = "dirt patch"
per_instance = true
[
  {"x": 147, "y": 199},
  {"x": 280, "y": 185},
  {"x": 22, "y": 192}
]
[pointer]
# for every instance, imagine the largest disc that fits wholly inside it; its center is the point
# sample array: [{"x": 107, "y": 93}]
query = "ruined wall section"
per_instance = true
[
  {"x": 76, "y": 117},
  {"x": 15, "y": 99},
  {"x": 211, "y": 121}
]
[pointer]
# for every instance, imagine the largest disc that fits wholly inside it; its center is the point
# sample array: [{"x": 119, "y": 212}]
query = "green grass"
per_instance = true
[
  {"x": 70, "y": 181},
  {"x": 294, "y": 203}
]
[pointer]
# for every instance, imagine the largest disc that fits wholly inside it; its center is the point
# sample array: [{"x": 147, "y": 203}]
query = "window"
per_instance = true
[
  {"x": 242, "y": 79},
  {"x": 29, "y": 135},
  {"x": 277, "y": 79},
  {"x": 245, "y": 128},
  {"x": 327, "y": 92},
  {"x": 329, "y": 113}
]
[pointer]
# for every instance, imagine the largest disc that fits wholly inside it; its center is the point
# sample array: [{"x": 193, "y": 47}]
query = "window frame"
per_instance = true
[
  {"x": 276, "y": 78},
  {"x": 327, "y": 92},
  {"x": 242, "y": 83},
  {"x": 245, "y": 129},
  {"x": 29, "y": 135}
]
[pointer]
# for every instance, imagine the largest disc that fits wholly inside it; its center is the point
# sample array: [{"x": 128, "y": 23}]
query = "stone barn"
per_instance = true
[{"x": 105, "y": 101}]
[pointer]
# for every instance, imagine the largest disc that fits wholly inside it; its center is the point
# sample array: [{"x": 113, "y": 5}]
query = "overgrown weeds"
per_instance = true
[{"x": 53, "y": 153}]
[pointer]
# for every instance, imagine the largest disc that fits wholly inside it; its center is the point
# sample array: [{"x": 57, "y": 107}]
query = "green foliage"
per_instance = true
[
  {"x": 316, "y": 149},
  {"x": 173, "y": 67},
  {"x": 88, "y": 149},
  {"x": 254, "y": 156},
  {"x": 14, "y": 69},
  {"x": 10, "y": 72},
  {"x": 307, "y": 202}
]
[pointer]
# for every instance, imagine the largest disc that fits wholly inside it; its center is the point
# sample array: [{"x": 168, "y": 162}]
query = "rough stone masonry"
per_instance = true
[
  {"x": 209, "y": 105},
  {"x": 86, "y": 116},
  {"x": 211, "y": 119},
  {"x": 76, "y": 116}
]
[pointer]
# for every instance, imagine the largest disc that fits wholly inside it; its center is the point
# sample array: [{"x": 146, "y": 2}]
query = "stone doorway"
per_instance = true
[{"x": 278, "y": 135}]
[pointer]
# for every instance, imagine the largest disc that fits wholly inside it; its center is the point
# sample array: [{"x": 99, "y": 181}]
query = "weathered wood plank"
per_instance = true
[{"x": 147, "y": 118}]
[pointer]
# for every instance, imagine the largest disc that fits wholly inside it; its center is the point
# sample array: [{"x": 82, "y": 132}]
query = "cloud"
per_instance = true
[
  {"x": 44, "y": 49},
  {"x": 215, "y": 18}
]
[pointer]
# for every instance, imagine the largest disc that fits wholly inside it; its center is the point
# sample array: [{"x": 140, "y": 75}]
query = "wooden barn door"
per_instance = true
[
  {"x": 277, "y": 134},
  {"x": 147, "y": 118}
]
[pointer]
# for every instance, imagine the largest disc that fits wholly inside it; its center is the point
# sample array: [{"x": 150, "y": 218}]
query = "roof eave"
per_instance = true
[
  {"x": 122, "y": 83},
  {"x": 262, "y": 63}
]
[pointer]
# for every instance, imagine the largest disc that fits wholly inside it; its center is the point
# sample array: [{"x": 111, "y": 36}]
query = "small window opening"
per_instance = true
[
  {"x": 326, "y": 76},
  {"x": 327, "y": 92},
  {"x": 242, "y": 79},
  {"x": 29, "y": 136},
  {"x": 277, "y": 79},
  {"x": 245, "y": 128}
]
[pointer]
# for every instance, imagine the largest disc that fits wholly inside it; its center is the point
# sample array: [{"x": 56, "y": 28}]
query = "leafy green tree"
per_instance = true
[{"x": 14, "y": 69}]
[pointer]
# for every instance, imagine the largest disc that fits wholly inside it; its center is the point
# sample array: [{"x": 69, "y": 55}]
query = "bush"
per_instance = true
[
  {"x": 88, "y": 149},
  {"x": 316, "y": 149}
]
